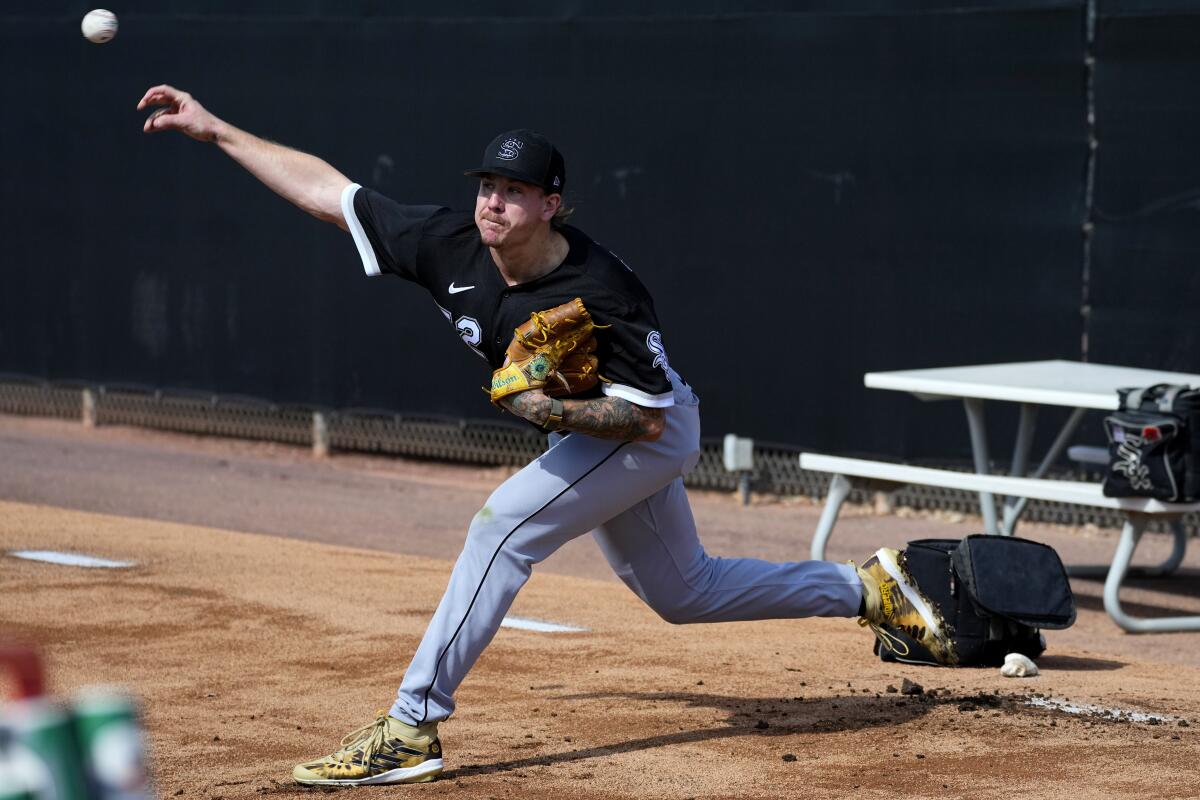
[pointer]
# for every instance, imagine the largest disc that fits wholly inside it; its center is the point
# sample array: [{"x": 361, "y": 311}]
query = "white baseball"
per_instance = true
[{"x": 99, "y": 25}]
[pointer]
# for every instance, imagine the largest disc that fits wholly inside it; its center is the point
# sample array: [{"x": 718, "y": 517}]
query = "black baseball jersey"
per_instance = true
[{"x": 441, "y": 250}]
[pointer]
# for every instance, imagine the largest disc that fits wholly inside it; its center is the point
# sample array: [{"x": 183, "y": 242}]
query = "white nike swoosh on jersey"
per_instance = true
[{"x": 456, "y": 289}]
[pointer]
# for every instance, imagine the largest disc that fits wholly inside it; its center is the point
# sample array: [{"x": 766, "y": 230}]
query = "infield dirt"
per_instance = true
[{"x": 251, "y": 652}]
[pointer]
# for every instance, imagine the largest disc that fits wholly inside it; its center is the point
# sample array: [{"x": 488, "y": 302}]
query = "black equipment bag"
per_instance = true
[
  {"x": 1154, "y": 444},
  {"x": 994, "y": 593}
]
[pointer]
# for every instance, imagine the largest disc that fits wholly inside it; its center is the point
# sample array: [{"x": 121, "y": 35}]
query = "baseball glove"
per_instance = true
[{"x": 553, "y": 351}]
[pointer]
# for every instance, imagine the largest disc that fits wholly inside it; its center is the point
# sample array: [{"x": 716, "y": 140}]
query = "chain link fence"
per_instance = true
[
  {"x": 501, "y": 442},
  {"x": 441, "y": 438},
  {"x": 206, "y": 414},
  {"x": 34, "y": 398}
]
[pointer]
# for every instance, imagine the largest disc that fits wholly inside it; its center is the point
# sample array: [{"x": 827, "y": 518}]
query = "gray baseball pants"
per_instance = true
[{"x": 630, "y": 495}]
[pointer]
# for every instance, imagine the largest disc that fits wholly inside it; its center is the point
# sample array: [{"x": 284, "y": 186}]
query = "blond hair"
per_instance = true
[{"x": 561, "y": 215}]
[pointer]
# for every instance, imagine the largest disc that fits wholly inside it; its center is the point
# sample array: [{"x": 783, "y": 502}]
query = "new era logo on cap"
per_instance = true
[{"x": 526, "y": 156}]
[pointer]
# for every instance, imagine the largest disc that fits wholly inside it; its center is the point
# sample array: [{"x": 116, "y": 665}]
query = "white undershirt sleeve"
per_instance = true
[
  {"x": 638, "y": 397},
  {"x": 366, "y": 252}
]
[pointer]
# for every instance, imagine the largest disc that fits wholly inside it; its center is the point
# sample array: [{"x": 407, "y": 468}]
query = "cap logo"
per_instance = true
[
  {"x": 510, "y": 149},
  {"x": 557, "y": 182}
]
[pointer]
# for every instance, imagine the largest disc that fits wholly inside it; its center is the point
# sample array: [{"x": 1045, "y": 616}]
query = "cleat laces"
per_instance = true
[
  {"x": 886, "y": 637},
  {"x": 368, "y": 740}
]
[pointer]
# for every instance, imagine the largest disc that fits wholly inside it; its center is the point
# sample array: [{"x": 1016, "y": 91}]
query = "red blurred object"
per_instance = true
[
  {"x": 1151, "y": 434},
  {"x": 26, "y": 665}
]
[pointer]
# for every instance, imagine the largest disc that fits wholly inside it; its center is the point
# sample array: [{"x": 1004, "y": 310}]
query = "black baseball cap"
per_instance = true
[{"x": 526, "y": 156}]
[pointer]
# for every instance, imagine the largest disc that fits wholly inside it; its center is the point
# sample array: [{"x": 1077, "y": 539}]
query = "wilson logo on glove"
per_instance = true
[{"x": 553, "y": 351}]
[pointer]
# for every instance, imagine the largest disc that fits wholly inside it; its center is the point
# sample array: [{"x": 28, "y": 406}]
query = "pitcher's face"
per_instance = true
[{"x": 509, "y": 211}]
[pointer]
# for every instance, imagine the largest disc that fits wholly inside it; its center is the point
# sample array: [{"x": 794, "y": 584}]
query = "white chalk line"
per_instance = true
[
  {"x": 81, "y": 560},
  {"x": 539, "y": 626},
  {"x": 1055, "y": 704},
  {"x": 69, "y": 559}
]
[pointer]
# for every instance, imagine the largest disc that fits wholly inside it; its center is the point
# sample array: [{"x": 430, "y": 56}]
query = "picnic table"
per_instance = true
[
  {"x": 1082, "y": 387},
  {"x": 1077, "y": 385}
]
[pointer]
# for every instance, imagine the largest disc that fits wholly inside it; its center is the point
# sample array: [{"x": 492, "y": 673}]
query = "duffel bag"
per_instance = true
[
  {"x": 995, "y": 595},
  {"x": 1154, "y": 444}
]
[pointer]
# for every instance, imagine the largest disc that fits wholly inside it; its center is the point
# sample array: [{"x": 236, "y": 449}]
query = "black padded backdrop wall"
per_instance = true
[
  {"x": 1144, "y": 284},
  {"x": 811, "y": 191}
]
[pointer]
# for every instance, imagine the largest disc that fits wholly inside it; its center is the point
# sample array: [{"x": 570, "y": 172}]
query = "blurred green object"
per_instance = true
[
  {"x": 14, "y": 784},
  {"x": 39, "y": 752},
  {"x": 109, "y": 734}
]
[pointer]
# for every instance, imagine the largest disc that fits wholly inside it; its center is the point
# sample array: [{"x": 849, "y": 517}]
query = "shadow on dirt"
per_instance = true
[
  {"x": 746, "y": 716},
  {"x": 1184, "y": 581},
  {"x": 1079, "y": 663},
  {"x": 1134, "y": 609}
]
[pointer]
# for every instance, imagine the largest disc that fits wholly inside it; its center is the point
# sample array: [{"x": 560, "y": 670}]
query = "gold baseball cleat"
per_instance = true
[
  {"x": 893, "y": 602},
  {"x": 384, "y": 751}
]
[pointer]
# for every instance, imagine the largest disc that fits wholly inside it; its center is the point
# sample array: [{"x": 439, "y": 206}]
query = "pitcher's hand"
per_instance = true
[
  {"x": 179, "y": 112},
  {"x": 531, "y": 404}
]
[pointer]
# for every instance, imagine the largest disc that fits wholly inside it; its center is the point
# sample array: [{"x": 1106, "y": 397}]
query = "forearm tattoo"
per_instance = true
[
  {"x": 533, "y": 406},
  {"x": 612, "y": 418},
  {"x": 603, "y": 417}
]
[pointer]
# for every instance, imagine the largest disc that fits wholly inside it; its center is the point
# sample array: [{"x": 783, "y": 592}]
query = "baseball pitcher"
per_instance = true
[{"x": 575, "y": 348}]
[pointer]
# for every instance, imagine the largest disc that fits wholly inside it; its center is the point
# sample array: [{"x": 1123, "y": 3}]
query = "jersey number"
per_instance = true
[{"x": 468, "y": 329}]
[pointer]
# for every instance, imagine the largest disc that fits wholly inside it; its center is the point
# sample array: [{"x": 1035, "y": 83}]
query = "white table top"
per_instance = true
[{"x": 1055, "y": 383}]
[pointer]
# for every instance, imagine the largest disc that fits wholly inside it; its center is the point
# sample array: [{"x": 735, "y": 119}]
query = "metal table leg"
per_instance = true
[
  {"x": 1056, "y": 450},
  {"x": 1135, "y": 524},
  {"x": 1178, "y": 548},
  {"x": 839, "y": 488},
  {"x": 1020, "y": 456},
  {"x": 1169, "y": 565},
  {"x": 979, "y": 448}
]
